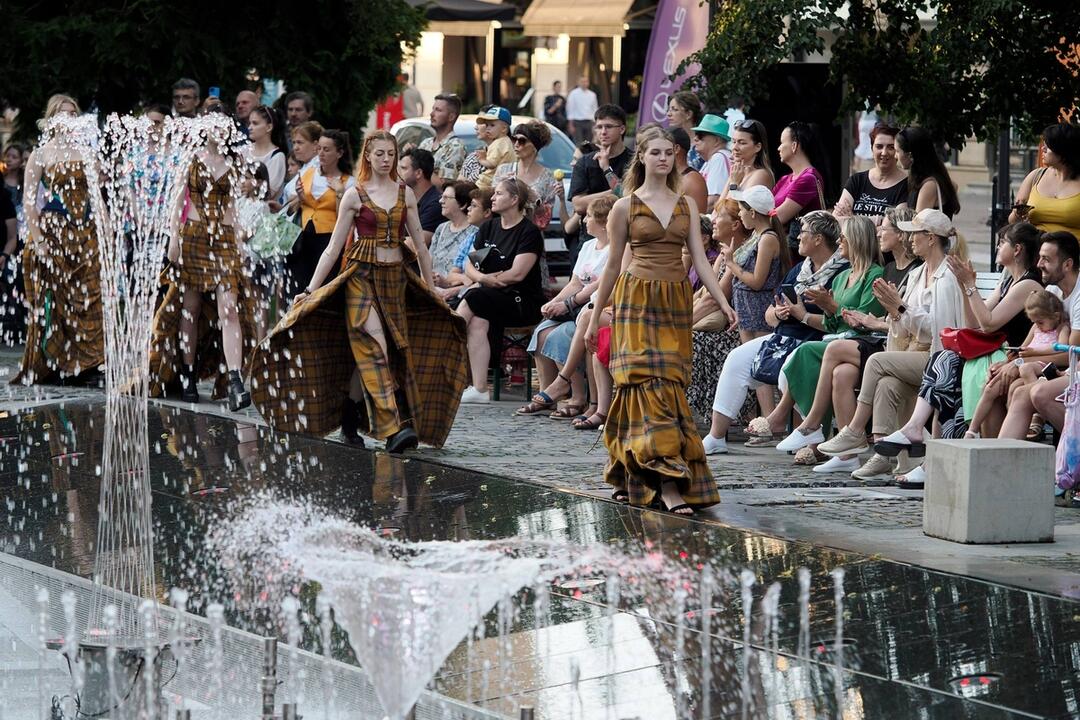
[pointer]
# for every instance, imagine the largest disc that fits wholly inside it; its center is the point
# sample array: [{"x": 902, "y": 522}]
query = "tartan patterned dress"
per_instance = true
[
  {"x": 65, "y": 328},
  {"x": 300, "y": 373},
  {"x": 209, "y": 259},
  {"x": 650, "y": 434}
]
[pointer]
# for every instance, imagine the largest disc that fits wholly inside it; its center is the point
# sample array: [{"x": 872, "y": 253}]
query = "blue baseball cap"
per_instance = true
[{"x": 495, "y": 113}]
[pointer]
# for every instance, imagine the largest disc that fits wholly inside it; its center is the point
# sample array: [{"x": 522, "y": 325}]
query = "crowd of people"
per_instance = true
[{"x": 708, "y": 285}]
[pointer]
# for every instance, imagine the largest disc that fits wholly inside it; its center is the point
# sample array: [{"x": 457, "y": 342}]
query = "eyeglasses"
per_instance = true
[{"x": 608, "y": 126}]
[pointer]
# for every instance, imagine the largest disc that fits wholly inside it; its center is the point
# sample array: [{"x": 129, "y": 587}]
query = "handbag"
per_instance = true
[
  {"x": 716, "y": 321},
  {"x": 1067, "y": 465},
  {"x": 969, "y": 343},
  {"x": 477, "y": 257},
  {"x": 770, "y": 358}
]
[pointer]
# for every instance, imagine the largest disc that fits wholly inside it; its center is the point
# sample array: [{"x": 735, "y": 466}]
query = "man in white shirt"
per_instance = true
[
  {"x": 711, "y": 137},
  {"x": 1059, "y": 261},
  {"x": 581, "y": 106}
]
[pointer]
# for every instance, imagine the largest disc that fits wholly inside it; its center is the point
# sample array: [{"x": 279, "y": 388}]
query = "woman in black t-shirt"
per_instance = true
[
  {"x": 504, "y": 268},
  {"x": 883, "y": 186}
]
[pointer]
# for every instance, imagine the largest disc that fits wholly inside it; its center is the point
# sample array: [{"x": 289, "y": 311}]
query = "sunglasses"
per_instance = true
[
  {"x": 519, "y": 140},
  {"x": 745, "y": 125}
]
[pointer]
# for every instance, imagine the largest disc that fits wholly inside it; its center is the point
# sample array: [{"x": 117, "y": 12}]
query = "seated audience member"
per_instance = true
[
  {"x": 806, "y": 377},
  {"x": 507, "y": 289},
  {"x": 712, "y": 338},
  {"x": 931, "y": 302},
  {"x": 452, "y": 236},
  {"x": 818, "y": 241},
  {"x": 1049, "y": 326},
  {"x": 550, "y": 343},
  {"x": 1059, "y": 258}
]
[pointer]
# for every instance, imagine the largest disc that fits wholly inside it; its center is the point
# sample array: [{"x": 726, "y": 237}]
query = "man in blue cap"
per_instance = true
[
  {"x": 493, "y": 127},
  {"x": 711, "y": 138}
]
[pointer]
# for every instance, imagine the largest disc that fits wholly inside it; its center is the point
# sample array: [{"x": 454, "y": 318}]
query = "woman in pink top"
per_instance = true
[{"x": 803, "y": 189}]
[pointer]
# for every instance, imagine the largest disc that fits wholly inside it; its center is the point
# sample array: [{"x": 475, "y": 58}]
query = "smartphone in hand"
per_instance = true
[{"x": 789, "y": 293}]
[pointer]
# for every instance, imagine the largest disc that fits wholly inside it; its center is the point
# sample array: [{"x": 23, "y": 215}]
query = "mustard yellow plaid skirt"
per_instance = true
[
  {"x": 650, "y": 433},
  {"x": 65, "y": 326},
  {"x": 165, "y": 351},
  {"x": 300, "y": 372},
  {"x": 209, "y": 257}
]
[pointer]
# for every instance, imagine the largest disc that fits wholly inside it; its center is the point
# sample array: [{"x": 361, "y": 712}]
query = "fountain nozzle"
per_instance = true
[{"x": 269, "y": 677}]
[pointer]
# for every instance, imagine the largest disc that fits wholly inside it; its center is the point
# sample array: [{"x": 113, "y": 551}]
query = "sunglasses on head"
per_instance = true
[{"x": 744, "y": 125}]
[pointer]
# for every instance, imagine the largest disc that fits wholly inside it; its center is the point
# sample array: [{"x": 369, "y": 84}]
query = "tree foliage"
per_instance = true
[
  {"x": 957, "y": 67},
  {"x": 117, "y": 54}
]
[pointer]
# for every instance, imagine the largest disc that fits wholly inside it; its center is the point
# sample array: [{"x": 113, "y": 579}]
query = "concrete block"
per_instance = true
[{"x": 989, "y": 491}]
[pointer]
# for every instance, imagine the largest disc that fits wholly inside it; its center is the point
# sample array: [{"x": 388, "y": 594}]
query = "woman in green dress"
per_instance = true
[{"x": 804, "y": 377}]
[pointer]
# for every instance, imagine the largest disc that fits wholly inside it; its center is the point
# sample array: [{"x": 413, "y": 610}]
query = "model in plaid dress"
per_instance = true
[
  {"x": 374, "y": 348},
  {"x": 65, "y": 331},
  {"x": 655, "y": 450},
  {"x": 206, "y": 261}
]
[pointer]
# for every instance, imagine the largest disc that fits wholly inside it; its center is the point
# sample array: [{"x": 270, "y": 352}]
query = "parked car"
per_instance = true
[{"x": 558, "y": 155}]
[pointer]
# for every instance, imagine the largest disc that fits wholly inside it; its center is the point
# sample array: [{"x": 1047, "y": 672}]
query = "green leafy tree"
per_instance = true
[
  {"x": 973, "y": 64},
  {"x": 116, "y": 54}
]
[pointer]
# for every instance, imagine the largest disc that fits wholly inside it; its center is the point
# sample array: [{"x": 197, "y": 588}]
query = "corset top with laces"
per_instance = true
[
  {"x": 208, "y": 196},
  {"x": 657, "y": 250},
  {"x": 67, "y": 189},
  {"x": 377, "y": 227}
]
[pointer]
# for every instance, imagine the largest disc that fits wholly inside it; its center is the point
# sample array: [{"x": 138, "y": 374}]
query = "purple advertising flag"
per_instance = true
[{"x": 680, "y": 30}]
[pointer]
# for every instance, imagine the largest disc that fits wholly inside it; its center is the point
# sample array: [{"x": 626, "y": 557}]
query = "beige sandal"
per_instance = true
[
  {"x": 759, "y": 428},
  {"x": 808, "y": 456}
]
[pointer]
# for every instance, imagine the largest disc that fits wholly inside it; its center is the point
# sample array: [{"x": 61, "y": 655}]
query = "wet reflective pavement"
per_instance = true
[{"x": 917, "y": 644}]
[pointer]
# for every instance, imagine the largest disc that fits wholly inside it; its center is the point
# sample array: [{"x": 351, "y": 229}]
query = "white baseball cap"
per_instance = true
[
  {"x": 758, "y": 197},
  {"x": 930, "y": 220}
]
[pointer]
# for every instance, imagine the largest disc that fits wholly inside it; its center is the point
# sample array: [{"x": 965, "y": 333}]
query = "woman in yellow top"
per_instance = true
[
  {"x": 319, "y": 189},
  {"x": 1049, "y": 197},
  {"x": 374, "y": 328},
  {"x": 651, "y": 436}
]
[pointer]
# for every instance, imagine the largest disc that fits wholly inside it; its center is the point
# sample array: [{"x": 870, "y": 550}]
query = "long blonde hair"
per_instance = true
[
  {"x": 364, "y": 171},
  {"x": 862, "y": 242},
  {"x": 635, "y": 172},
  {"x": 52, "y": 108}
]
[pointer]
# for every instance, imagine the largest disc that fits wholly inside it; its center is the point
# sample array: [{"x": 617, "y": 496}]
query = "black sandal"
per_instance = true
[
  {"x": 675, "y": 510},
  {"x": 588, "y": 423},
  {"x": 621, "y": 496}
]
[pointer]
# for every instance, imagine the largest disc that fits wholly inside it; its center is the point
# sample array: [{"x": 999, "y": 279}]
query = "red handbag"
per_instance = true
[{"x": 969, "y": 343}]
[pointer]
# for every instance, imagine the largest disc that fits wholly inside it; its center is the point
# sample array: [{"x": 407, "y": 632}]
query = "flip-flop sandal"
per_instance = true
[
  {"x": 567, "y": 412},
  {"x": 589, "y": 423},
  {"x": 541, "y": 402},
  {"x": 894, "y": 444}
]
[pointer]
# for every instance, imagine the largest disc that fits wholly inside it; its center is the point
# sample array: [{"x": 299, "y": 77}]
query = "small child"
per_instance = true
[
  {"x": 1049, "y": 325},
  {"x": 493, "y": 127}
]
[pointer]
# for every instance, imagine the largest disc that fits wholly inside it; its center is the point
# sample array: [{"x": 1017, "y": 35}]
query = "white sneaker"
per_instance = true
[
  {"x": 797, "y": 441},
  {"x": 714, "y": 446},
  {"x": 835, "y": 464},
  {"x": 474, "y": 396}
]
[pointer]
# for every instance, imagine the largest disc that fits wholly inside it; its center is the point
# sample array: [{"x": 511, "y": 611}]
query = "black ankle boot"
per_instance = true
[
  {"x": 189, "y": 389},
  {"x": 239, "y": 397},
  {"x": 404, "y": 439},
  {"x": 350, "y": 422}
]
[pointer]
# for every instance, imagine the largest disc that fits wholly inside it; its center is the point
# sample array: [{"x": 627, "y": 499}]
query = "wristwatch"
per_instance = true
[
  {"x": 901, "y": 310},
  {"x": 733, "y": 186},
  {"x": 969, "y": 291}
]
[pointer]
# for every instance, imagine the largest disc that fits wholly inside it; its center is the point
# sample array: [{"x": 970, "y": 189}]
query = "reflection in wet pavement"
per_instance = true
[{"x": 916, "y": 644}]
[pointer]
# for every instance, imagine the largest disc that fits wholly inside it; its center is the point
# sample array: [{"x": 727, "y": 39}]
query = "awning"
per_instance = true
[
  {"x": 444, "y": 10},
  {"x": 578, "y": 18}
]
